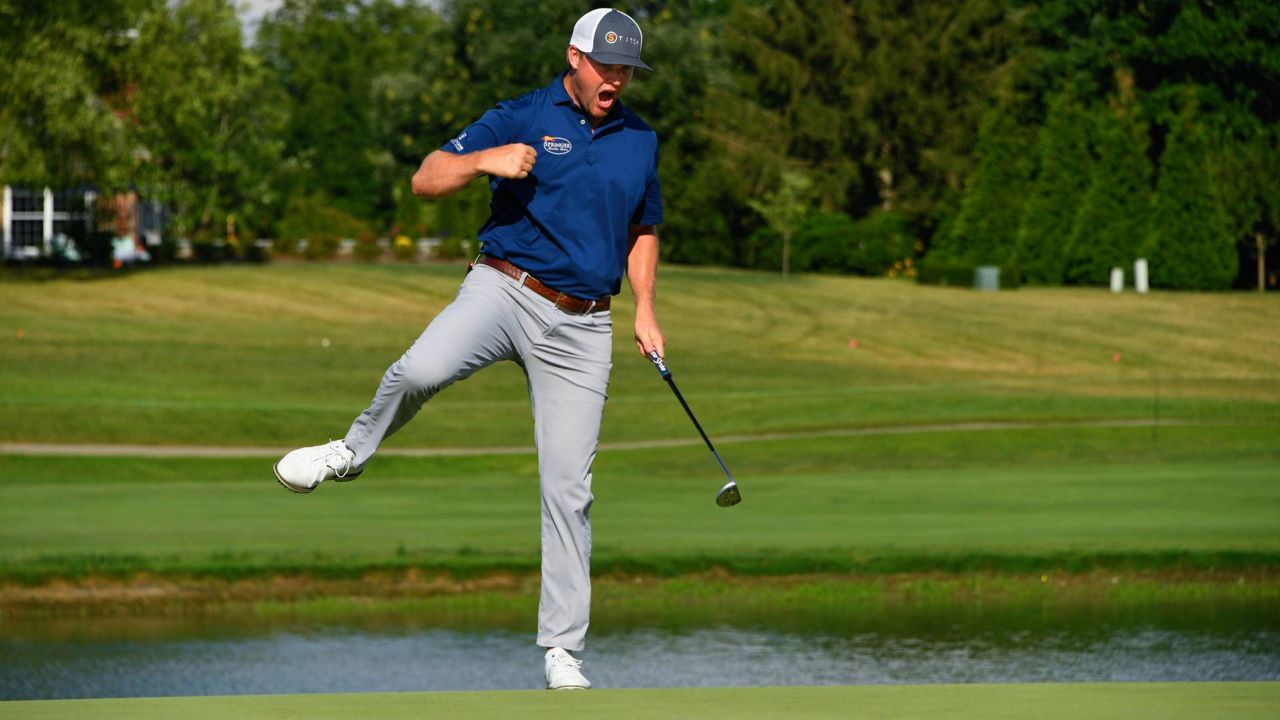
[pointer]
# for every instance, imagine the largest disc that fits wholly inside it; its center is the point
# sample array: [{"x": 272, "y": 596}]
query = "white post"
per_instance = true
[
  {"x": 6, "y": 218},
  {"x": 1117, "y": 280},
  {"x": 48, "y": 220},
  {"x": 1140, "y": 275},
  {"x": 89, "y": 198}
]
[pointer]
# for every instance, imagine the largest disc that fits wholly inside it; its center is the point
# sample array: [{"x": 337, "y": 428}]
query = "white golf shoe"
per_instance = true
[
  {"x": 303, "y": 469},
  {"x": 564, "y": 671}
]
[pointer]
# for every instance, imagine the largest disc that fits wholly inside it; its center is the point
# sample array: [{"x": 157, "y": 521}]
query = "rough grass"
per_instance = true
[
  {"x": 1127, "y": 701},
  {"x": 233, "y": 356}
]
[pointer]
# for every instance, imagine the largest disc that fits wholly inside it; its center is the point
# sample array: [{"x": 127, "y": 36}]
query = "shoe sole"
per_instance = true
[
  {"x": 571, "y": 687},
  {"x": 303, "y": 491}
]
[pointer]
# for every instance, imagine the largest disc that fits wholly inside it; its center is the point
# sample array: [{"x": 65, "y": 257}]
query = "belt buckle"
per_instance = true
[{"x": 561, "y": 296}]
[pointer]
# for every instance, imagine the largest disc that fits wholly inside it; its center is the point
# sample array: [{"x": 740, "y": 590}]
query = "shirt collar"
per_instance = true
[{"x": 560, "y": 96}]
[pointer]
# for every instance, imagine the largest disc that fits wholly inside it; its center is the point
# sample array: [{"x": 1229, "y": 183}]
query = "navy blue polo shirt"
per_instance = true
[{"x": 567, "y": 223}]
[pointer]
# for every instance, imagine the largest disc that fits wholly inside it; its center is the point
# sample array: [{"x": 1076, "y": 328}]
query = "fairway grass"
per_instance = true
[
  {"x": 1012, "y": 501},
  {"x": 1091, "y": 701}
]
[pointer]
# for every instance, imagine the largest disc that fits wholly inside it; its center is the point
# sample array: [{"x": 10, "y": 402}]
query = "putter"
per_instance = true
[{"x": 728, "y": 495}]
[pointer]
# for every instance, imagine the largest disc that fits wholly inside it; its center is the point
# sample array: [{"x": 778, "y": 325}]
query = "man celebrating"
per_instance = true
[{"x": 574, "y": 177}]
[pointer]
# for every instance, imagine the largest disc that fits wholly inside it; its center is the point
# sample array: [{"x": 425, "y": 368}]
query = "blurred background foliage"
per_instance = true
[{"x": 1054, "y": 138}]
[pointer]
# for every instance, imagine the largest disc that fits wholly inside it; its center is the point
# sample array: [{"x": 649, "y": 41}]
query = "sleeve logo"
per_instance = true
[{"x": 556, "y": 145}]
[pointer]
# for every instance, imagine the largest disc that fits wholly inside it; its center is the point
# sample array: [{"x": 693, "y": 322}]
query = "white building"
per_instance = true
[
  {"x": 31, "y": 219},
  {"x": 37, "y": 224}
]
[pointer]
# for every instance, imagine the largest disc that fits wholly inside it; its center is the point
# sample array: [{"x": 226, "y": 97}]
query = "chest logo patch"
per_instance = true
[{"x": 556, "y": 145}]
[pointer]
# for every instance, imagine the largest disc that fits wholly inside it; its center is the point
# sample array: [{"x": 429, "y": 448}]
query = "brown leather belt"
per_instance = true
[{"x": 567, "y": 303}]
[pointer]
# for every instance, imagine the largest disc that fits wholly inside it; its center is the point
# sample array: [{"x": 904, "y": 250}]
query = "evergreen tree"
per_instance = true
[
  {"x": 1111, "y": 226},
  {"x": 985, "y": 232},
  {"x": 1057, "y": 192},
  {"x": 784, "y": 105},
  {"x": 1190, "y": 245}
]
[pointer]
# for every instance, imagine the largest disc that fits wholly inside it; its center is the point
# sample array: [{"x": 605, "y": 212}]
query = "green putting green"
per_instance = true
[{"x": 1095, "y": 701}]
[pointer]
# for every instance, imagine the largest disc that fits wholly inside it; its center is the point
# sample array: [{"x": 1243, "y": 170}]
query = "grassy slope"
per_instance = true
[
  {"x": 1166, "y": 701},
  {"x": 230, "y": 356}
]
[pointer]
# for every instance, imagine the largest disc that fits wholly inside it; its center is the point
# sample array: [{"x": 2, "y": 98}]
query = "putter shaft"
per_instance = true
[
  {"x": 729, "y": 494},
  {"x": 697, "y": 425}
]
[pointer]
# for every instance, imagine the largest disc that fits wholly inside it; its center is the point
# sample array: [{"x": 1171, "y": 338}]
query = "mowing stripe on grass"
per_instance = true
[
  {"x": 1096, "y": 701},
  {"x": 210, "y": 451}
]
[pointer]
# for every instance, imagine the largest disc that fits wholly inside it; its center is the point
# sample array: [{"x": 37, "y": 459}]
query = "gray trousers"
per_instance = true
[{"x": 567, "y": 359}]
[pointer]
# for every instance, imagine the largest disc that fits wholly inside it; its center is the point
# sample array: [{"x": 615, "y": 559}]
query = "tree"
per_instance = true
[
  {"x": 207, "y": 130},
  {"x": 784, "y": 209},
  {"x": 1055, "y": 195},
  {"x": 928, "y": 70},
  {"x": 781, "y": 106},
  {"x": 880, "y": 100},
  {"x": 1190, "y": 245},
  {"x": 369, "y": 88},
  {"x": 1111, "y": 226},
  {"x": 1157, "y": 52},
  {"x": 63, "y": 91},
  {"x": 502, "y": 49},
  {"x": 1245, "y": 170},
  {"x": 985, "y": 231}
]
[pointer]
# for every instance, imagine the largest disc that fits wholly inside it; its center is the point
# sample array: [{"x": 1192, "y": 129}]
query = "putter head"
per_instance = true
[{"x": 729, "y": 495}]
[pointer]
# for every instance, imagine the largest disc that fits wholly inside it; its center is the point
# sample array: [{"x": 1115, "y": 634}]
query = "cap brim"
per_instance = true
[{"x": 617, "y": 59}]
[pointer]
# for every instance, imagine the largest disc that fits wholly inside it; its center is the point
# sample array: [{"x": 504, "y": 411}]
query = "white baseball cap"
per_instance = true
[{"x": 609, "y": 36}]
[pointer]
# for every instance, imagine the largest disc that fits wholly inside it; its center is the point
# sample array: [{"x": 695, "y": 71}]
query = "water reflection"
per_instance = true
[{"x": 137, "y": 657}]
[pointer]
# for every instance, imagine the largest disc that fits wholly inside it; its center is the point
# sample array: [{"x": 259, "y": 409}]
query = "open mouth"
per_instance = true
[{"x": 606, "y": 98}]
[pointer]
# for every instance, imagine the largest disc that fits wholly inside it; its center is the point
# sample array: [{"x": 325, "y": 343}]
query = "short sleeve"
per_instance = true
[
  {"x": 649, "y": 211},
  {"x": 496, "y": 127}
]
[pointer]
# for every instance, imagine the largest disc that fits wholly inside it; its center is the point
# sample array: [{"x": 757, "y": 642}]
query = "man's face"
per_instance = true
[{"x": 596, "y": 86}]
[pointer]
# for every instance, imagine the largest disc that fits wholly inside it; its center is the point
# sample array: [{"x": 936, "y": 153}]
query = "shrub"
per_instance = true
[
  {"x": 367, "y": 248},
  {"x": 320, "y": 223},
  {"x": 321, "y": 246},
  {"x": 404, "y": 248},
  {"x": 835, "y": 243}
]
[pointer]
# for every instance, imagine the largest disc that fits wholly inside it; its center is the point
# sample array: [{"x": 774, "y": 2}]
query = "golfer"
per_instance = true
[{"x": 574, "y": 177}]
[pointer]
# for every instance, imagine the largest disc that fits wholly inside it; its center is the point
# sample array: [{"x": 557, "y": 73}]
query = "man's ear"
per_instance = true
[{"x": 574, "y": 56}]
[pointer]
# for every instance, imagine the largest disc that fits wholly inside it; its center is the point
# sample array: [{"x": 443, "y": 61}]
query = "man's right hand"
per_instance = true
[{"x": 514, "y": 161}]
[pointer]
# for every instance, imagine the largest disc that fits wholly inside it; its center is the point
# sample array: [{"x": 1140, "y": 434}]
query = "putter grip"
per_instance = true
[{"x": 659, "y": 364}]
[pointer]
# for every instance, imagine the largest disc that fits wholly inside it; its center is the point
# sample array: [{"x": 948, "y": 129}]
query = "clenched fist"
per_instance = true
[{"x": 514, "y": 161}]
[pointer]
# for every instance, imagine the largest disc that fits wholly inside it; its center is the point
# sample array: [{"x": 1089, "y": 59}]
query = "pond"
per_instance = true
[{"x": 215, "y": 655}]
